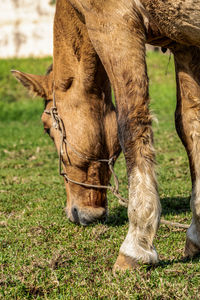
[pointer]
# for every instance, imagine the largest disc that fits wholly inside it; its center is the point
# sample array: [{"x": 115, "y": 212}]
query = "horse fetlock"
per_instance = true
[
  {"x": 192, "y": 245},
  {"x": 144, "y": 214},
  {"x": 138, "y": 246},
  {"x": 132, "y": 260},
  {"x": 191, "y": 249}
]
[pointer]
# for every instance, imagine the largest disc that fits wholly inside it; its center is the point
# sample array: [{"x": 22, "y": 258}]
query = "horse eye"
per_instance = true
[{"x": 67, "y": 84}]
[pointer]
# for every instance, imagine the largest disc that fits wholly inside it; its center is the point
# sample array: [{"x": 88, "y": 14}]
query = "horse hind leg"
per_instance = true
[{"x": 187, "y": 118}]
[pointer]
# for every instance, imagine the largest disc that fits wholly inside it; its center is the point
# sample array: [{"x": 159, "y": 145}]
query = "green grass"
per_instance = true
[{"x": 43, "y": 255}]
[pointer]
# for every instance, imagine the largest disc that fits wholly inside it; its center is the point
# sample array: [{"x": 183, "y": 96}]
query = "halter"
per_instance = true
[{"x": 58, "y": 124}]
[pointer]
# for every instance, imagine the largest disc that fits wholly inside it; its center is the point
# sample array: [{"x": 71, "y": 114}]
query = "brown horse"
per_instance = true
[
  {"x": 83, "y": 99},
  {"x": 119, "y": 30}
]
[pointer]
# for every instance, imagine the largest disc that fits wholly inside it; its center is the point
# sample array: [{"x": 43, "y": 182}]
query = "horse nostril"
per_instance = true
[{"x": 75, "y": 215}]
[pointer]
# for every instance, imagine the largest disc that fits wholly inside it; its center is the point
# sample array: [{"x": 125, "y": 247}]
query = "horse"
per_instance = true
[{"x": 117, "y": 32}]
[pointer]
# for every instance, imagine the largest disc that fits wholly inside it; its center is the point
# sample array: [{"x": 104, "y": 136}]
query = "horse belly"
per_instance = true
[{"x": 177, "y": 19}]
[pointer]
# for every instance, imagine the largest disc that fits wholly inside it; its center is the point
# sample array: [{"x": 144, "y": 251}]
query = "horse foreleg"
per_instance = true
[
  {"x": 119, "y": 40},
  {"x": 187, "y": 62}
]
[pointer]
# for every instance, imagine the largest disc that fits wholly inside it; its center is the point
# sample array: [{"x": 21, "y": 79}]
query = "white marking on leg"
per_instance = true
[
  {"x": 193, "y": 235},
  {"x": 131, "y": 248},
  {"x": 144, "y": 214}
]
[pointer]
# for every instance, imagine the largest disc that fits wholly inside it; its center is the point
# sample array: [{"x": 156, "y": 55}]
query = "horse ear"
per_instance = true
[{"x": 36, "y": 84}]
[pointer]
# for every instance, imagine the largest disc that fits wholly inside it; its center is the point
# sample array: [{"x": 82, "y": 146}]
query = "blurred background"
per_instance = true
[{"x": 26, "y": 28}]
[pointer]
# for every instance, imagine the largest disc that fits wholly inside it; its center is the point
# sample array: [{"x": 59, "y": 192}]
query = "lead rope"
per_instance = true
[{"x": 57, "y": 123}]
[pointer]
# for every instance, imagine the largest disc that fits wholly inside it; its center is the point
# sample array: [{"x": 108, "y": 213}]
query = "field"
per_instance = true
[{"x": 43, "y": 255}]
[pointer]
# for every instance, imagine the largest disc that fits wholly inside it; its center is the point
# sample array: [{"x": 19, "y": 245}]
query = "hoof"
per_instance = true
[
  {"x": 124, "y": 263},
  {"x": 191, "y": 249}
]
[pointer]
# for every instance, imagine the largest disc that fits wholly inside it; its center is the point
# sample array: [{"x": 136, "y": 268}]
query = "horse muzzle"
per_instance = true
[{"x": 86, "y": 215}]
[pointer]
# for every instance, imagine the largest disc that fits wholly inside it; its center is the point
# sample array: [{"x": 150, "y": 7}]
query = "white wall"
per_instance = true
[{"x": 26, "y": 28}]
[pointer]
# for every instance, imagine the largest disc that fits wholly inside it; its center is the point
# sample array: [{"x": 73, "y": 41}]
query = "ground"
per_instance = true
[{"x": 43, "y": 255}]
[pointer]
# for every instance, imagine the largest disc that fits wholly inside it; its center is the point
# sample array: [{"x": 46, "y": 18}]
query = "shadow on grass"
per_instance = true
[
  {"x": 117, "y": 216},
  {"x": 175, "y": 206},
  {"x": 183, "y": 260},
  {"x": 170, "y": 206}
]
